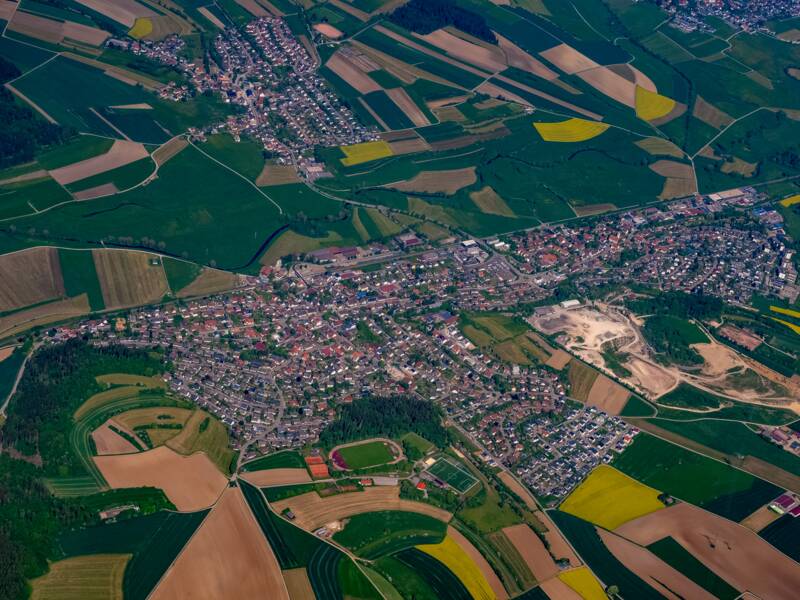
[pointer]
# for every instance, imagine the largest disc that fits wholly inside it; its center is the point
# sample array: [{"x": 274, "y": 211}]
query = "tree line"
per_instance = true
[{"x": 426, "y": 16}]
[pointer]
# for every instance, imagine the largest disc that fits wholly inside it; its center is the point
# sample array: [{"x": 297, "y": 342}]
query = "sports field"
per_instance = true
[
  {"x": 369, "y": 454},
  {"x": 610, "y": 498},
  {"x": 452, "y": 474}
]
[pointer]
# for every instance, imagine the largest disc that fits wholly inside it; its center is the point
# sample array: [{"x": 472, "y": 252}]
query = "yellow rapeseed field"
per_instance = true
[
  {"x": 790, "y": 200},
  {"x": 571, "y": 130},
  {"x": 454, "y": 558},
  {"x": 361, "y": 153},
  {"x": 792, "y": 326},
  {"x": 651, "y": 105},
  {"x": 610, "y": 498},
  {"x": 142, "y": 27},
  {"x": 582, "y": 581},
  {"x": 785, "y": 311}
]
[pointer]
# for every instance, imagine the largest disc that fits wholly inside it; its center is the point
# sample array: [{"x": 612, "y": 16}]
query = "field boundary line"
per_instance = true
[
  {"x": 21, "y": 75},
  {"x": 258, "y": 189}
]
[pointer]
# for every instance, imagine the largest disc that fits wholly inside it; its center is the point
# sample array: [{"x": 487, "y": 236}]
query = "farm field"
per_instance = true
[
  {"x": 380, "y": 533},
  {"x": 609, "y": 498},
  {"x": 227, "y": 554},
  {"x": 153, "y": 541},
  {"x": 94, "y": 577},
  {"x": 695, "y": 478}
]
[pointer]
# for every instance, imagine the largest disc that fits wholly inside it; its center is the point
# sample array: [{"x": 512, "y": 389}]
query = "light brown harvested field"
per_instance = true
[
  {"x": 37, "y": 27},
  {"x": 310, "y": 48},
  {"x": 710, "y": 114},
  {"x": 449, "y": 113},
  {"x": 608, "y": 395},
  {"x": 486, "y": 127},
  {"x": 91, "y": 577},
  {"x": 109, "y": 441},
  {"x": 135, "y": 106},
  {"x": 760, "y": 518},
  {"x": 298, "y": 584},
  {"x": 253, "y": 8},
  {"x": 396, "y": 136},
  {"x": 492, "y": 60},
  {"x": 210, "y": 281},
  {"x": 652, "y": 570},
  {"x": 138, "y": 417},
  {"x": 671, "y": 168},
  {"x": 532, "y": 551},
  {"x": 403, "y": 71},
  {"x": 313, "y": 512},
  {"x": 277, "y": 175},
  {"x": 744, "y": 338},
  {"x": 431, "y": 182},
  {"x": 84, "y": 33},
  {"x": 793, "y": 72},
  {"x": 121, "y": 11},
  {"x": 227, "y": 557},
  {"x": 593, "y": 209},
  {"x": 52, "y": 312},
  {"x": 328, "y": 31},
  {"x": 190, "y": 482},
  {"x": 488, "y": 201},
  {"x": 733, "y": 552},
  {"x": 491, "y": 577},
  {"x": 409, "y": 146},
  {"x": 98, "y": 191},
  {"x": 358, "y": 79},
  {"x": 517, "y": 57},
  {"x": 675, "y": 187},
  {"x": 128, "y": 279},
  {"x": 612, "y": 85},
  {"x": 6, "y": 352},
  {"x": 211, "y": 17},
  {"x": 169, "y": 149},
  {"x": 558, "y": 590},
  {"x": 121, "y": 153},
  {"x": 29, "y": 277},
  {"x": 549, "y": 97},
  {"x": 760, "y": 79},
  {"x": 659, "y": 146},
  {"x": 559, "y": 360},
  {"x": 444, "y": 102},
  {"x": 739, "y": 166},
  {"x": 495, "y": 91},
  {"x": 568, "y": 59},
  {"x": 401, "y": 98},
  {"x": 558, "y": 546},
  {"x": 7, "y": 9},
  {"x": 270, "y": 477},
  {"x": 272, "y": 8}
]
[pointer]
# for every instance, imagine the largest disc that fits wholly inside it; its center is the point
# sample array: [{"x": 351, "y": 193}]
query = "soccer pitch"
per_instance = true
[{"x": 453, "y": 475}]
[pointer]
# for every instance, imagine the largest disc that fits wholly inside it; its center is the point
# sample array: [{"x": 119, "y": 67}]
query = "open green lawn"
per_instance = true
[
  {"x": 288, "y": 459},
  {"x": 365, "y": 455}
]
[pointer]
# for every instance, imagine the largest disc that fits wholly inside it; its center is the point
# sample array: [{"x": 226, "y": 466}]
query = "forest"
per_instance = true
[
  {"x": 426, "y": 16},
  {"x": 23, "y": 132},
  {"x": 385, "y": 417},
  {"x": 678, "y": 304}
]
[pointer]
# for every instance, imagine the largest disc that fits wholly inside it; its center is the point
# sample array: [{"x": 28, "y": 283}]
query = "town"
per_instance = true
[{"x": 275, "y": 357}]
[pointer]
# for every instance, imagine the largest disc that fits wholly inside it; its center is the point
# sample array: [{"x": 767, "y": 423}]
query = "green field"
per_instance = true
[
  {"x": 675, "y": 555},
  {"x": 419, "y": 443},
  {"x": 453, "y": 475},
  {"x": 694, "y": 478},
  {"x": 9, "y": 368},
  {"x": 369, "y": 454},
  {"x": 377, "y": 534},
  {"x": 287, "y": 459},
  {"x": 211, "y": 230},
  {"x": 783, "y": 534},
  {"x": 153, "y": 540}
]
